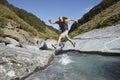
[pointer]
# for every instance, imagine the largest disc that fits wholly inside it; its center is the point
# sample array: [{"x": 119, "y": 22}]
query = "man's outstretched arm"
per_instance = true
[
  {"x": 74, "y": 20},
  {"x": 51, "y": 22}
]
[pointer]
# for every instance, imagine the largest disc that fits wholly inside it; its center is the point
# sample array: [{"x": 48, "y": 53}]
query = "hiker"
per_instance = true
[{"x": 63, "y": 24}]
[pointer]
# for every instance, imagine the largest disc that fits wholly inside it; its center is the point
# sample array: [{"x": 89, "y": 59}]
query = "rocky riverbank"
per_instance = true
[
  {"x": 16, "y": 62},
  {"x": 20, "y": 61},
  {"x": 102, "y": 40}
]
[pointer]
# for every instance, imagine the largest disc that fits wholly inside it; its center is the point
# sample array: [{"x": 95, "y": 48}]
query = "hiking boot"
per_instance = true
[
  {"x": 74, "y": 43},
  {"x": 54, "y": 46}
]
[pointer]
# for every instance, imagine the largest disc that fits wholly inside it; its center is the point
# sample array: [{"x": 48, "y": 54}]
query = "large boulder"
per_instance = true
[
  {"x": 12, "y": 41},
  {"x": 12, "y": 30},
  {"x": 45, "y": 44},
  {"x": 3, "y": 40},
  {"x": 18, "y": 63},
  {"x": 104, "y": 40},
  {"x": 31, "y": 47}
]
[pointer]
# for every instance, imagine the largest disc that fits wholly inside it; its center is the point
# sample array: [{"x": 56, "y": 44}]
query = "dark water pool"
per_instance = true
[{"x": 76, "y": 66}]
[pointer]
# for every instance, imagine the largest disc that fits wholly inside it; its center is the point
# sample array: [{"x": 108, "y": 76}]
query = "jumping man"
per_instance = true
[{"x": 63, "y": 24}]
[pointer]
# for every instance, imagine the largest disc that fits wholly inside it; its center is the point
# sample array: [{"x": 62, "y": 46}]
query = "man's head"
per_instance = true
[{"x": 60, "y": 18}]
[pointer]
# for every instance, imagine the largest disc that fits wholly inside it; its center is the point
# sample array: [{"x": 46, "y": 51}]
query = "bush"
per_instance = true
[{"x": 1, "y": 32}]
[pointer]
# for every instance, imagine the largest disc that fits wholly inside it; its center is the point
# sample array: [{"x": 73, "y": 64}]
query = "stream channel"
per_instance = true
[{"x": 76, "y": 66}]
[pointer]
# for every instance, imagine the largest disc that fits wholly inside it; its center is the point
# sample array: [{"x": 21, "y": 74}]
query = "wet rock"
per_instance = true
[{"x": 19, "y": 62}]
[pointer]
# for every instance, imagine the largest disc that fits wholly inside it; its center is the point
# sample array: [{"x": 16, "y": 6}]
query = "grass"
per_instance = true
[
  {"x": 6, "y": 13},
  {"x": 108, "y": 17},
  {"x": 35, "y": 22},
  {"x": 1, "y": 33}
]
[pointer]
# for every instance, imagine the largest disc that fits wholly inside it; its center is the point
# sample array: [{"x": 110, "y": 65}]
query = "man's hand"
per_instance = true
[
  {"x": 50, "y": 21},
  {"x": 76, "y": 21}
]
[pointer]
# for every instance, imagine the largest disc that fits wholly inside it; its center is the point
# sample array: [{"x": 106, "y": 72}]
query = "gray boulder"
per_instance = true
[
  {"x": 18, "y": 63},
  {"x": 3, "y": 40},
  {"x": 12, "y": 41},
  {"x": 46, "y": 44},
  {"x": 104, "y": 40}
]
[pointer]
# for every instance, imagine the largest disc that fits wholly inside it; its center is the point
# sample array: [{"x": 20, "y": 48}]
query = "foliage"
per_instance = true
[
  {"x": 28, "y": 21},
  {"x": 94, "y": 11},
  {"x": 31, "y": 19},
  {"x": 3, "y": 22},
  {"x": 3, "y": 2},
  {"x": 1, "y": 32},
  {"x": 108, "y": 17},
  {"x": 6, "y": 13}
]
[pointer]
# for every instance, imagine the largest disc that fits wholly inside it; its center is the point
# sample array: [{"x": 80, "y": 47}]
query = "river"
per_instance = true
[{"x": 77, "y": 66}]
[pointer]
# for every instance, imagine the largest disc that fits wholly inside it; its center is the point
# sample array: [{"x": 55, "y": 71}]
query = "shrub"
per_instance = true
[{"x": 1, "y": 32}]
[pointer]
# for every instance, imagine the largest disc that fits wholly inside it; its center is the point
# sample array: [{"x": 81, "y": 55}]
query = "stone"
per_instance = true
[
  {"x": 46, "y": 44},
  {"x": 104, "y": 40},
  {"x": 49, "y": 43},
  {"x": 16, "y": 62}
]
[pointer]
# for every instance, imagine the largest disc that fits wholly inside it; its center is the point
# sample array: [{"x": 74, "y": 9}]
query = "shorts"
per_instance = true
[{"x": 64, "y": 34}]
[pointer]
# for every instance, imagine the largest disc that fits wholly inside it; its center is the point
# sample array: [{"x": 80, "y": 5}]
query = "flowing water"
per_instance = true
[{"x": 76, "y": 66}]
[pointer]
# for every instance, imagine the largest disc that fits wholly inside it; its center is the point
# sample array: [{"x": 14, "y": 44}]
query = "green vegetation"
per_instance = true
[
  {"x": 106, "y": 13},
  {"x": 27, "y": 21},
  {"x": 94, "y": 11},
  {"x": 35, "y": 22},
  {"x": 1, "y": 33},
  {"x": 3, "y": 2},
  {"x": 6, "y": 13},
  {"x": 29, "y": 18},
  {"x": 3, "y": 22},
  {"x": 108, "y": 16}
]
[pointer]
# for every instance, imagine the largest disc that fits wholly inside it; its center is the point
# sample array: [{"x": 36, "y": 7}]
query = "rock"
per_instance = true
[
  {"x": 2, "y": 44},
  {"x": 30, "y": 47},
  {"x": 44, "y": 47},
  {"x": 49, "y": 42},
  {"x": 104, "y": 40},
  {"x": 9, "y": 41},
  {"x": 45, "y": 44},
  {"x": 3, "y": 40},
  {"x": 20, "y": 62},
  {"x": 11, "y": 73},
  {"x": 19, "y": 35},
  {"x": 12, "y": 41},
  {"x": 41, "y": 44}
]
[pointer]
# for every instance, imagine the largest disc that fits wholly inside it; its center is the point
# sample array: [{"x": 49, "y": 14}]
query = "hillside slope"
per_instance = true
[
  {"x": 27, "y": 21},
  {"x": 13, "y": 26},
  {"x": 34, "y": 21},
  {"x": 106, "y": 13}
]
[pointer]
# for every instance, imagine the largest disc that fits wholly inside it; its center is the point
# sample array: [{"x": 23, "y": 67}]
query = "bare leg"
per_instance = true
[
  {"x": 59, "y": 40},
  {"x": 73, "y": 43}
]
